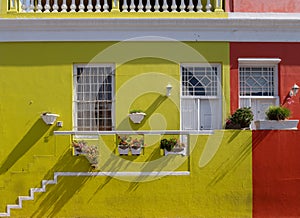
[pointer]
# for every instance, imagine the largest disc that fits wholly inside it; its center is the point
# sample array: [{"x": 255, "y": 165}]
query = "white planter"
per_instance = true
[
  {"x": 123, "y": 151},
  {"x": 49, "y": 119},
  {"x": 136, "y": 151},
  {"x": 137, "y": 117},
  {"x": 174, "y": 151},
  {"x": 276, "y": 124}
]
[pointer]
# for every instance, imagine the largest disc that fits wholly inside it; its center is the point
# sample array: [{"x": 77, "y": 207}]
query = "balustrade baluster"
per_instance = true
[
  {"x": 39, "y": 6},
  {"x": 148, "y": 6},
  {"x": 125, "y": 6},
  {"x": 132, "y": 6},
  {"x": 90, "y": 6},
  {"x": 199, "y": 6},
  {"x": 55, "y": 6},
  {"x": 191, "y": 6},
  {"x": 140, "y": 6},
  {"x": 174, "y": 6},
  {"x": 73, "y": 6},
  {"x": 64, "y": 6},
  {"x": 47, "y": 6},
  {"x": 105, "y": 6},
  {"x": 165, "y": 6},
  {"x": 182, "y": 6},
  {"x": 31, "y": 6},
  {"x": 156, "y": 6},
  {"x": 98, "y": 6},
  {"x": 24, "y": 6},
  {"x": 81, "y": 6},
  {"x": 219, "y": 6},
  {"x": 208, "y": 6}
]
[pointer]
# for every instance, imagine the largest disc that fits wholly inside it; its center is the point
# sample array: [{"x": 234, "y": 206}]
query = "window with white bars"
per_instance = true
[
  {"x": 93, "y": 97},
  {"x": 199, "y": 80},
  {"x": 201, "y": 103},
  {"x": 257, "y": 81}
]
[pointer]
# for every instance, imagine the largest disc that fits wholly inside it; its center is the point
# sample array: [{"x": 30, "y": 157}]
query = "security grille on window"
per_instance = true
[
  {"x": 258, "y": 81},
  {"x": 93, "y": 98},
  {"x": 200, "y": 98}
]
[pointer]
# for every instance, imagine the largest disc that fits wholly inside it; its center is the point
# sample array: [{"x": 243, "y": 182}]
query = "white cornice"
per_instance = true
[{"x": 239, "y": 27}]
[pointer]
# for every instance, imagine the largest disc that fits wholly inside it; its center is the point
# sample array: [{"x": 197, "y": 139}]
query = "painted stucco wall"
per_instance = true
[
  {"x": 287, "y": 6},
  {"x": 276, "y": 173},
  {"x": 287, "y": 72},
  {"x": 37, "y": 77}
]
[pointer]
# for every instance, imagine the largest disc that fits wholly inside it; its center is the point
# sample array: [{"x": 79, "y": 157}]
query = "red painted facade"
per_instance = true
[
  {"x": 285, "y": 6},
  {"x": 288, "y": 70},
  {"x": 276, "y": 174}
]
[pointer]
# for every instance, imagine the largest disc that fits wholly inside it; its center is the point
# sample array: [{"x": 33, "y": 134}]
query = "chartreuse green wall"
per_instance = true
[{"x": 37, "y": 77}]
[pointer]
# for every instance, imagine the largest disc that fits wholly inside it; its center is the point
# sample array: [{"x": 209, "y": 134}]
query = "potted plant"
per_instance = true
[
  {"x": 123, "y": 145},
  {"x": 240, "y": 119},
  {"x": 136, "y": 116},
  {"x": 172, "y": 146},
  {"x": 277, "y": 118},
  {"x": 136, "y": 146},
  {"x": 89, "y": 151}
]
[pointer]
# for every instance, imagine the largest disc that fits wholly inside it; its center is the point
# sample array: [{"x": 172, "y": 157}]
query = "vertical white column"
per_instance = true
[
  {"x": 24, "y": 6},
  {"x": 98, "y": 6},
  {"x": 73, "y": 6},
  {"x": 39, "y": 6},
  {"x": 174, "y": 6},
  {"x": 140, "y": 6},
  {"x": 81, "y": 6},
  {"x": 208, "y": 6},
  {"x": 105, "y": 6},
  {"x": 156, "y": 6},
  {"x": 55, "y": 6},
  {"x": 165, "y": 6},
  {"x": 90, "y": 6},
  {"x": 31, "y": 6},
  {"x": 199, "y": 6},
  {"x": 132, "y": 6},
  {"x": 125, "y": 6},
  {"x": 47, "y": 6},
  {"x": 148, "y": 6},
  {"x": 64, "y": 6},
  {"x": 182, "y": 6},
  {"x": 191, "y": 6}
]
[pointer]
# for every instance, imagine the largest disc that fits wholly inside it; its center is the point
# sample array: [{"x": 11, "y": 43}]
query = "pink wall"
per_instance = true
[
  {"x": 262, "y": 5},
  {"x": 276, "y": 174},
  {"x": 289, "y": 69}
]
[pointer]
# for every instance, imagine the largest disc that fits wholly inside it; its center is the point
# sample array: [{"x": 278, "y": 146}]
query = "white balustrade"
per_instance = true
[{"x": 149, "y": 6}]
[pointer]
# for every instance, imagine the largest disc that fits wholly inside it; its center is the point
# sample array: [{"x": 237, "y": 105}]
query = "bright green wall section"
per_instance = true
[
  {"x": 37, "y": 77},
  {"x": 219, "y": 186}
]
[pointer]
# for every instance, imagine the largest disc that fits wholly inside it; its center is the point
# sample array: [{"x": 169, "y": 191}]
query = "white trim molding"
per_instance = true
[
  {"x": 258, "y": 61},
  {"x": 238, "y": 27}
]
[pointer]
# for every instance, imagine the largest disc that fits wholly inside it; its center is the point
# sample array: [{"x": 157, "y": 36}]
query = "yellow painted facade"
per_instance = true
[{"x": 38, "y": 76}]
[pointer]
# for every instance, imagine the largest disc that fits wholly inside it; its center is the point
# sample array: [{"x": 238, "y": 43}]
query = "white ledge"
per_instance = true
[
  {"x": 259, "y": 60},
  {"x": 141, "y": 132},
  {"x": 238, "y": 27}
]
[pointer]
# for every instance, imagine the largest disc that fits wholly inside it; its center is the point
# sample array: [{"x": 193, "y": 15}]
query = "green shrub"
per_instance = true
[
  {"x": 277, "y": 113},
  {"x": 241, "y": 118}
]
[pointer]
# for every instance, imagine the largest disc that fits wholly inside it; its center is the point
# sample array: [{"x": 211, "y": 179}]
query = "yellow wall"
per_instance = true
[{"x": 37, "y": 77}]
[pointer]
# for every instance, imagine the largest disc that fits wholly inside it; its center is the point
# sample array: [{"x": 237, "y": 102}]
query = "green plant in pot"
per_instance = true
[
  {"x": 278, "y": 113},
  {"x": 240, "y": 119}
]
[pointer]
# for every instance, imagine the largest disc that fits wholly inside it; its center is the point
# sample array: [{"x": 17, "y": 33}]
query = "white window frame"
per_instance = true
[
  {"x": 75, "y": 66},
  {"x": 260, "y": 62},
  {"x": 217, "y": 97}
]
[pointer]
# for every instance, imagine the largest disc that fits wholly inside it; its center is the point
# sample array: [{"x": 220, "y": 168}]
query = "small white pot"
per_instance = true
[
  {"x": 123, "y": 151},
  {"x": 136, "y": 151},
  {"x": 49, "y": 119},
  {"x": 276, "y": 124},
  {"x": 137, "y": 117},
  {"x": 178, "y": 152}
]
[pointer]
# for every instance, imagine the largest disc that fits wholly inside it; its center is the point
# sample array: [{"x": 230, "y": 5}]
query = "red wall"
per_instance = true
[
  {"x": 276, "y": 174},
  {"x": 289, "y": 6},
  {"x": 289, "y": 69}
]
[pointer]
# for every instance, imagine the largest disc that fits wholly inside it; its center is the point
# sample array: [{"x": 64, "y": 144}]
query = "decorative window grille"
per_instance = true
[
  {"x": 199, "y": 81},
  {"x": 257, "y": 81},
  {"x": 201, "y": 107},
  {"x": 93, "y": 97}
]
